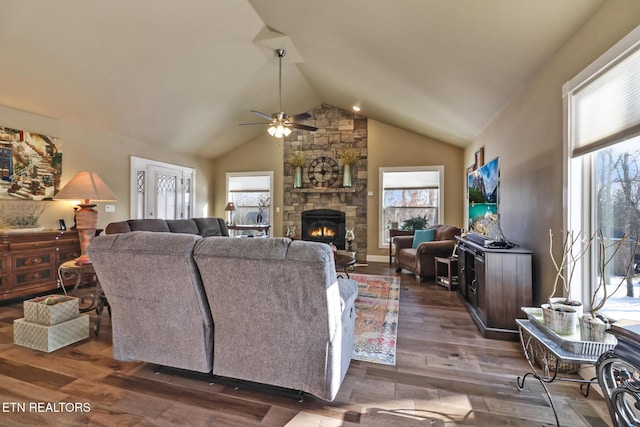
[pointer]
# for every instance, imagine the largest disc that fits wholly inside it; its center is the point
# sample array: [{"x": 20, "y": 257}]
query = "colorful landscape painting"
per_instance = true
[
  {"x": 483, "y": 187},
  {"x": 30, "y": 165}
]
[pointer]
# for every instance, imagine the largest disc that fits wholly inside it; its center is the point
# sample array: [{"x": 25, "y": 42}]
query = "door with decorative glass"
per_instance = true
[{"x": 161, "y": 190}]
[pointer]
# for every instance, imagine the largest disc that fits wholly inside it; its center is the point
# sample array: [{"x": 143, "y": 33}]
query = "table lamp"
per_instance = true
[
  {"x": 230, "y": 208},
  {"x": 86, "y": 186}
]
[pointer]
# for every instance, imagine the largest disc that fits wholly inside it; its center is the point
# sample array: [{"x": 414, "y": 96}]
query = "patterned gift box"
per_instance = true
[
  {"x": 50, "y": 338},
  {"x": 36, "y": 311}
]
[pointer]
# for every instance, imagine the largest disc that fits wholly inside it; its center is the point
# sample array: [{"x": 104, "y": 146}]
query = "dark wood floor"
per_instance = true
[{"x": 446, "y": 375}]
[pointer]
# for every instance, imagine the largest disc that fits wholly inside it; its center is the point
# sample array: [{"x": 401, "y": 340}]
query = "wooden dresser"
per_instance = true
[{"x": 29, "y": 261}]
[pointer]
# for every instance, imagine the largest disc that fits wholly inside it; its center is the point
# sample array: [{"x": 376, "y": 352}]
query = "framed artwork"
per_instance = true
[
  {"x": 30, "y": 165},
  {"x": 479, "y": 158}
]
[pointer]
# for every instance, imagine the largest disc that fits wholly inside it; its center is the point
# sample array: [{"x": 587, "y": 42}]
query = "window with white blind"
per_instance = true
[
  {"x": 602, "y": 115},
  {"x": 250, "y": 192},
  {"x": 409, "y": 192}
]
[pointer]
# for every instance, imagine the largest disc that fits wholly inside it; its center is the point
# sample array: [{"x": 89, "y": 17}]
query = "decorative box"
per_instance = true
[
  {"x": 50, "y": 337},
  {"x": 37, "y": 311}
]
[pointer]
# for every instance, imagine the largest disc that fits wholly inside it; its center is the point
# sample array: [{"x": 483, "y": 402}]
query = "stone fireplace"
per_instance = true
[
  {"x": 324, "y": 225},
  {"x": 337, "y": 129}
]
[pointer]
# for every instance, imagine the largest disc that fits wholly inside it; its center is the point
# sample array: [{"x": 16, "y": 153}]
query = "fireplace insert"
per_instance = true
[{"x": 324, "y": 225}]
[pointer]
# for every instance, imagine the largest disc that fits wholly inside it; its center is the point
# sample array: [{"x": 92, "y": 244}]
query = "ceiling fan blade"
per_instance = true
[
  {"x": 301, "y": 116},
  {"x": 303, "y": 127},
  {"x": 263, "y": 115},
  {"x": 252, "y": 124}
]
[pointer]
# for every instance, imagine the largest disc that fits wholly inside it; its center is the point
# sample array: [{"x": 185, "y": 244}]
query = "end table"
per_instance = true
[{"x": 450, "y": 280}]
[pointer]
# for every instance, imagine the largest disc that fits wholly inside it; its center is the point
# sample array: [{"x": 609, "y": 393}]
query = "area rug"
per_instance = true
[{"x": 376, "y": 318}]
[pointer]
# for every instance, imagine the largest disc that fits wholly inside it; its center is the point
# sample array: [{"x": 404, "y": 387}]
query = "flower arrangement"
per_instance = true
[
  {"x": 21, "y": 213},
  {"x": 348, "y": 155},
  {"x": 297, "y": 158}
]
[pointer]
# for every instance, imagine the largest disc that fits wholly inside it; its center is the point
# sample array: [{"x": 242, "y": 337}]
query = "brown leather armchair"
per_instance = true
[{"x": 421, "y": 260}]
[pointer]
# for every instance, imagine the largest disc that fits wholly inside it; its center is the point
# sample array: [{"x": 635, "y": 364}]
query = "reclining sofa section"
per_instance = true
[{"x": 270, "y": 311}]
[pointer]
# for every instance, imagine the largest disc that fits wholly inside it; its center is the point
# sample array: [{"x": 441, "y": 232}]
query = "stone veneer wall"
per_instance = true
[{"x": 337, "y": 128}]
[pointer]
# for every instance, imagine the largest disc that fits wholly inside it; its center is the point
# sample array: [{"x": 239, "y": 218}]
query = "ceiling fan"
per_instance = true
[{"x": 281, "y": 123}]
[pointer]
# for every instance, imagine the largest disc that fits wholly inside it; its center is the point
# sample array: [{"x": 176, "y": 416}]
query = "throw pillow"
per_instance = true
[{"x": 423, "y": 236}]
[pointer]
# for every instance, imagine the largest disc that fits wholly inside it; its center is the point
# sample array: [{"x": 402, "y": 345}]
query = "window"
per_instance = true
[
  {"x": 602, "y": 111},
  {"x": 248, "y": 191},
  {"x": 161, "y": 190},
  {"x": 408, "y": 192}
]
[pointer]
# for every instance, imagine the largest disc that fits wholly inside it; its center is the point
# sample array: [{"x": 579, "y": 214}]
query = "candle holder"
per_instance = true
[{"x": 350, "y": 237}]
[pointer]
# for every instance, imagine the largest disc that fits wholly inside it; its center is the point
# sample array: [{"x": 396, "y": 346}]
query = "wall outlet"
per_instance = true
[
  {"x": 109, "y": 208},
  {"x": 370, "y": 193}
]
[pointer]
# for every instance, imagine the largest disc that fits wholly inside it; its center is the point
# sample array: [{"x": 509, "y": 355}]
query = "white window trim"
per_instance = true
[
  {"x": 440, "y": 168},
  {"x": 139, "y": 163}
]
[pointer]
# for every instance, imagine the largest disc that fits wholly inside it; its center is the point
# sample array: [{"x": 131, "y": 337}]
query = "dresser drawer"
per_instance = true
[
  {"x": 34, "y": 277},
  {"x": 33, "y": 259},
  {"x": 25, "y": 246},
  {"x": 67, "y": 254}
]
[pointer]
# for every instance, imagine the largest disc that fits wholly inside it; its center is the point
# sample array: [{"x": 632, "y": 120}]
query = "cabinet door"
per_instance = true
[
  {"x": 462, "y": 270},
  {"x": 481, "y": 286}
]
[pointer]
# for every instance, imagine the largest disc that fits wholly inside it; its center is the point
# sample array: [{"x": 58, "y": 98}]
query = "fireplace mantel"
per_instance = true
[{"x": 342, "y": 192}]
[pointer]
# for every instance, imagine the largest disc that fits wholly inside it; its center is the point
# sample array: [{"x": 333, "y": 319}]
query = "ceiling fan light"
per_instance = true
[
  {"x": 287, "y": 131},
  {"x": 272, "y": 131}
]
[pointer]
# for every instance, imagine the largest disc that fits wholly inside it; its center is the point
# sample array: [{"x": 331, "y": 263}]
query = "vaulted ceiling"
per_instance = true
[{"x": 183, "y": 74}]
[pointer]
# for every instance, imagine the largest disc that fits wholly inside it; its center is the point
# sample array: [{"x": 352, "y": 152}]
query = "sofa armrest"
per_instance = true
[
  {"x": 439, "y": 248},
  {"x": 348, "y": 292},
  {"x": 403, "y": 242}
]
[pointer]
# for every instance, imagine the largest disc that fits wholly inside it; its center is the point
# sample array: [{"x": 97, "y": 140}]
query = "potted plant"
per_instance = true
[
  {"x": 561, "y": 314},
  {"x": 593, "y": 325},
  {"x": 415, "y": 223}
]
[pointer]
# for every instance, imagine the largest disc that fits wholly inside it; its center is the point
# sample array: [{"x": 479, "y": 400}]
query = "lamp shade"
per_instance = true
[
  {"x": 230, "y": 207},
  {"x": 86, "y": 185}
]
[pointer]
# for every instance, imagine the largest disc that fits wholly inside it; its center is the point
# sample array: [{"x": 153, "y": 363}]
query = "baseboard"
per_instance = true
[{"x": 378, "y": 258}]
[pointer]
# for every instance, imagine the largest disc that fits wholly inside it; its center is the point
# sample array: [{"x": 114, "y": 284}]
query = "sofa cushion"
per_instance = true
[
  {"x": 158, "y": 225},
  {"x": 118, "y": 227},
  {"x": 210, "y": 227},
  {"x": 186, "y": 226},
  {"x": 423, "y": 236}
]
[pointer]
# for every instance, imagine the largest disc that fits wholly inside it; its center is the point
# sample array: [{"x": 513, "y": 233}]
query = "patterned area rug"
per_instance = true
[{"x": 376, "y": 318}]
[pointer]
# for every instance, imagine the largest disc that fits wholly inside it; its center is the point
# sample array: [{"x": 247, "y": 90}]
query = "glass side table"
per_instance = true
[
  {"x": 88, "y": 301},
  {"x": 536, "y": 343}
]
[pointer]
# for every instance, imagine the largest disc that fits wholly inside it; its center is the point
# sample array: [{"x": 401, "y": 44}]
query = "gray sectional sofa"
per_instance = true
[
  {"x": 204, "y": 227},
  {"x": 270, "y": 311}
]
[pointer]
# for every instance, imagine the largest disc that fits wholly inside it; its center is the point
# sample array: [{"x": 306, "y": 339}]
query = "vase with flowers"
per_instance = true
[
  {"x": 297, "y": 160},
  {"x": 348, "y": 156},
  {"x": 263, "y": 203},
  {"x": 561, "y": 314}
]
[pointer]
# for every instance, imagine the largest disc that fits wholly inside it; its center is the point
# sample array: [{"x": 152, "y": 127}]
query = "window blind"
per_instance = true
[{"x": 605, "y": 109}]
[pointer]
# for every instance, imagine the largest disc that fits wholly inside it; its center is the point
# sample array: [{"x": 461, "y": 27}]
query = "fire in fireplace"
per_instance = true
[{"x": 324, "y": 225}]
